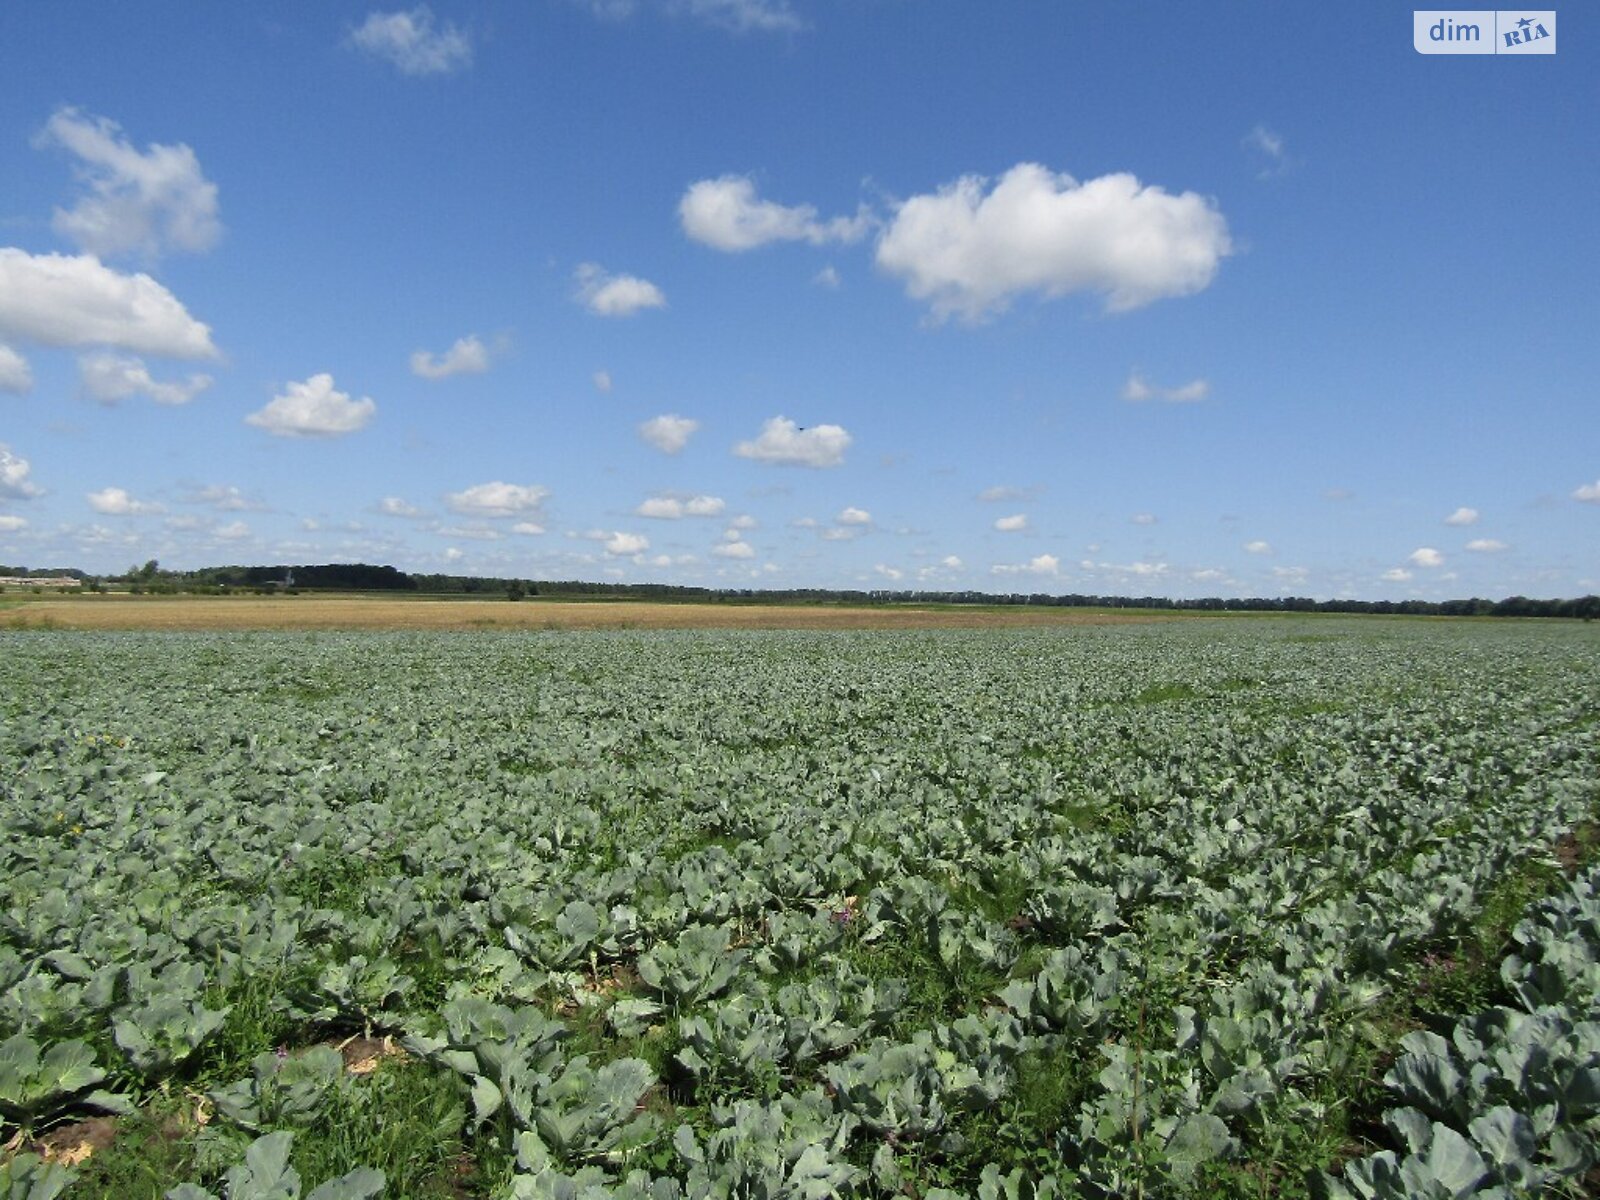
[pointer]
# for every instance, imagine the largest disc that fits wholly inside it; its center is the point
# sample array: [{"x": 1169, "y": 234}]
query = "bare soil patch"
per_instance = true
[{"x": 367, "y": 612}]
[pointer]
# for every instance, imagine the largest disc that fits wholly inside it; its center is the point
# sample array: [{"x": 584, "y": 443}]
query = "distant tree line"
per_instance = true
[{"x": 363, "y": 577}]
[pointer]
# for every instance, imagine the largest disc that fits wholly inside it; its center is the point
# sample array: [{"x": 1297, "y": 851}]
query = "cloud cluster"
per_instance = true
[
  {"x": 413, "y": 42},
  {"x": 1045, "y": 565},
  {"x": 674, "y": 508},
  {"x": 313, "y": 409},
  {"x": 970, "y": 251},
  {"x": 725, "y": 213},
  {"x": 116, "y": 502},
  {"x": 134, "y": 203},
  {"x": 498, "y": 499},
  {"x": 668, "y": 433},
  {"x": 109, "y": 378},
  {"x": 76, "y": 300},
  {"x": 14, "y": 476},
  {"x": 1138, "y": 389},
  {"x": 783, "y": 442},
  {"x": 15, "y": 374},
  {"x": 468, "y": 356},
  {"x": 608, "y": 295}
]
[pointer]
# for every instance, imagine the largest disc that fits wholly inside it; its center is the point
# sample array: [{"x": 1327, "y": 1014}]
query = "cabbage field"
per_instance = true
[{"x": 1210, "y": 908}]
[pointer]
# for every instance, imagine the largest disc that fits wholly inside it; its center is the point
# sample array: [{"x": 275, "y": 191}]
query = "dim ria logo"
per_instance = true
[{"x": 1484, "y": 31}]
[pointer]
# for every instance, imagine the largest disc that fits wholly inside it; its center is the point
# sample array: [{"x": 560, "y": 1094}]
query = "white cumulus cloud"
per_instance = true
[
  {"x": 468, "y": 356},
  {"x": 1042, "y": 564},
  {"x": 726, "y": 213},
  {"x": 15, "y": 374},
  {"x": 1396, "y": 575},
  {"x": 1258, "y": 547},
  {"x": 1143, "y": 518},
  {"x": 394, "y": 506},
  {"x": 1012, "y": 524},
  {"x": 1139, "y": 389},
  {"x": 313, "y": 409},
  {"x": 528, "y": 528},
  {"x": 1425, "y": 556},
  {"x": 108, "y": 378},
  {"x": 854, "y": 516},
  {"x": 498, "y": 499},
  {"x": 14, "y": 472},
  {"x": 602, "y": 381},
  {"x": 782, "y": 441},
  {"x": 1462, "y": 516},
  {"x": 623, "y": 544},
  {"x": 1270, "y": 150},
  {"x": 969, "y": 250},
  {"x": 413, "y": 42},
  {"x": 1589, "y": 493},
  {"x": 11, "y": 524},
  {"x": 133, "y": 203},
  {"x": 740, "y": 549},
  {"x": 668, "y": 433},
  {"x": 1486, "y": 546},
  {"x": 608, "y": 295},
  {"x": 672, "y": 508},
  {"x": 116, "y": 502},
  {"x": 76, "y": 300},
  {"x": 232, "y": 531}
]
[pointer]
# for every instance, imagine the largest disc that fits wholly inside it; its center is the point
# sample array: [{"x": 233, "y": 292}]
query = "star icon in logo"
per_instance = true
[{"x": 1524, "y": 23}]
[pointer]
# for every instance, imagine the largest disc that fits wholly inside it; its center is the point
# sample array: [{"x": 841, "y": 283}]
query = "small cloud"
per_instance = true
[
  {"x": 783, "y": 442},
  {"x": 1486, "y": 546},
  {"x": 394, "y": 506},
  {"x": 1396, "y": 575},
  {"x": 1002, "y": 493},
  {"x": 14, "y": 472},
  {"x": 827, "y": 278},
  {"x": 412, "y": 42},
  {"x": 1589, "y": 493},
  {"x": 1425, "y": 556},
  {"x": 608, "y": 295},
  {"x": 854, "y": 516},
  {"x": 743, "y": 521},
  {"x": 1338, "y": 494},
  {"x": 10, "y": 524},
  {"x": 15, "y": 375},
  {"x": 1462, "y": 516},
  {"x": 1138, "y": 389},
  {"x": 672, "y": 508},
  {"x": 468, "y": 356},
  {"x": 602, "y": 382},
  {"x": 134, "y": 203},
  {"x": 1291, "y": 574},
  {"x": 1012, "y": 524},
  {"x": 743, "y": 16},
  {"x": 1044, "y": 564},
  {"x": 726, "y": 214},
  {"x": 453, "y": 554},
  {"x": 527, "y": 528},
  {"x": 109, "y": 378},
  {"x": 739, "y": 549},
  {"x": 1143, "y": 518},
  {"x": 116, "y": 502},
  {"x": 313, "y": 409},
  {"x": 951, "y": 562},
  {"x": 893, "y": 574},
  {"x": 846, "y": 533},
  {"x": 232, "y": 531},
  {"x": 626, "y": 544},
  {"x": 224, "y": 498},
  {"x": 669, "y": 433},
  {"x": 497, "y": 499},
  {"x": 1269, "y": 150},
  {"x": 1258, "y": 547}
]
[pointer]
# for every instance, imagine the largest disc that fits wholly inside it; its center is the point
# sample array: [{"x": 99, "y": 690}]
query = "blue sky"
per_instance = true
[{"x": 1176, "y": 299}]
